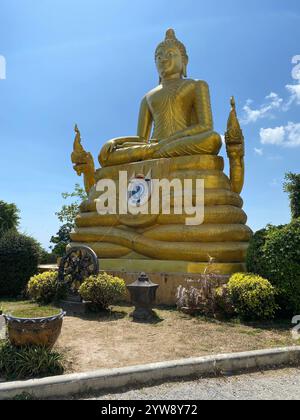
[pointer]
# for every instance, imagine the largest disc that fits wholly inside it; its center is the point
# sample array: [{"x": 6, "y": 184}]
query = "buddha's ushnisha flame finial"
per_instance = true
[{"x": 170, "y": 34}]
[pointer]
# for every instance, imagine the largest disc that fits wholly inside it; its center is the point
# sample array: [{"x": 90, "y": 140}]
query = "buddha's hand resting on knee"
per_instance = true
[{"x": 110, "y": 147}]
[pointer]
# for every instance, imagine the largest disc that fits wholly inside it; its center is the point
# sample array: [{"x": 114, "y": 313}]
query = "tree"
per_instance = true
[
  {"x": 67, "y": 216},
  {"x": 292, "y": 187},
  {"x": 9, "y": 223},
  {"x": 9, "y": 217},
  {"x": 19, "y": 259}
]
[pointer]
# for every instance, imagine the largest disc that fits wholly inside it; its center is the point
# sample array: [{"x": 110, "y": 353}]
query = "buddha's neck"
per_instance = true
[{"x": 167, "y": 80}]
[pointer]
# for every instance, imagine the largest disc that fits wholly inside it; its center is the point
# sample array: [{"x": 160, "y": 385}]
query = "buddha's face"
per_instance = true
[{"x": 169, "y": 61}]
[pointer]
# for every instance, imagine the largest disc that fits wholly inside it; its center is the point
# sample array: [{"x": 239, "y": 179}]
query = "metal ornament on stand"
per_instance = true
[
  {"x": 143, "y": 295},
  {"x": 78, "y": 264}
]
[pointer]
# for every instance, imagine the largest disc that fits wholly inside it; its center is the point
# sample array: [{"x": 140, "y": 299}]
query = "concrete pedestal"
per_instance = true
[{"x": 168, "y": 282}]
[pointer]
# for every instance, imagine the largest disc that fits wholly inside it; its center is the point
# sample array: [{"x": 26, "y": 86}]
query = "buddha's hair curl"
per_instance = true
[{"x": 171, "y": 40}]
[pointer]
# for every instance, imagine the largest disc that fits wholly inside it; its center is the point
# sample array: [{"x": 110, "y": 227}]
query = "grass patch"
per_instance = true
[
  {"x": 111, "y": 340},
  {"x": 41, "y": 312},
  {"x": 26, "y": 309},
  {"x": 251, "y": 333},
  {"x": 24, "y": 397}
]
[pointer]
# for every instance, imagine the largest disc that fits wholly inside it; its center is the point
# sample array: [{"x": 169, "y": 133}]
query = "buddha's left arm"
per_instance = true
[{"x": 202, "y": 106}]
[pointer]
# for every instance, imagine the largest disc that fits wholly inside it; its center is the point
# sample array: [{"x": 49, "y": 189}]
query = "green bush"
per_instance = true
[
  {"x": 29, "y": 362},
  {"x": 292, "y": 187},
  {"x": 222, "y": 302},
  {"x": 275, "y": 255},
  {"x": 255, "y": 262},
  {"x": 19, "y": 258},
  {"x": 47, "y": 258},
  {"x": 45, "y": 288},
  {"x": 103, "y": 290},
  {"x": 252, "y": 296}
]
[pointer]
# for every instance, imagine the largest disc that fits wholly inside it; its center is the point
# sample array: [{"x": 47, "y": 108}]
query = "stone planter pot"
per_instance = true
[{"x": 34, "y": 331}]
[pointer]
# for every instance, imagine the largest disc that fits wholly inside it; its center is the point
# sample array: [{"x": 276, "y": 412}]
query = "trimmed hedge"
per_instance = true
[
  {"x": 44, "y": 288},
  {"x": 275, "y": 254},
  {"x": 103, "y": 290},
  {"x": 19, "y": 258},
  {"x": 252, "y": 296}
]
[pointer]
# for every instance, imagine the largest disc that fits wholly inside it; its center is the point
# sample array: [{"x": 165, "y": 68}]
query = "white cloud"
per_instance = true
[
  {"x": 259, "y": 152},
  {"x": 294, "y": 91},
  {"x": 2, "y": 68},
  {"x": 285, "y": 136},
  {"x": 272, "y": 135},
  {"x": 273, "y": 102}
]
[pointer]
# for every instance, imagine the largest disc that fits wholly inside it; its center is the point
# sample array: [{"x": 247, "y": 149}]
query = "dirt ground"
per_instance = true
[{"x": 107, "y": 341}]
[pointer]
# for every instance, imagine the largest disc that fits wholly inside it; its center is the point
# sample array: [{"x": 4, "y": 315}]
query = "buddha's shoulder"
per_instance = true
[
  {"x": 198, "y": 83},
  {"x": 153, "y": 91}
]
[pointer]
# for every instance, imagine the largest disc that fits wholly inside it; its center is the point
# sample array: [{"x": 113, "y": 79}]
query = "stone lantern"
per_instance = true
[{"x": 143, "y": 295}]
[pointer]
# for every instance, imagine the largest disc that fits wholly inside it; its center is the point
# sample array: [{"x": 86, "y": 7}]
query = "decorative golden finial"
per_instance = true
[
  {"x": 234, "y": 132},
  {"x": 83, "y": 162},
  {"x": 77, "y": 142},
  {"x": 235, "y": 146},
  {"x": 232, "y": 102}
]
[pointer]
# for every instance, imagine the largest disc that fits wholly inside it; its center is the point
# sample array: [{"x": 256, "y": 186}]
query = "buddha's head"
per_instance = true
[{"x": 171, "y": 57}]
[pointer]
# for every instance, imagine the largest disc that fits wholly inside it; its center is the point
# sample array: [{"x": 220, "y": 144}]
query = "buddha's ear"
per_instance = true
[{"x": 185, "y": 64}]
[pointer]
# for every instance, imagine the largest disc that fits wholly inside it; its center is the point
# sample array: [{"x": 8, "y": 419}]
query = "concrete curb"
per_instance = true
[{"x": 113, "y": 379}]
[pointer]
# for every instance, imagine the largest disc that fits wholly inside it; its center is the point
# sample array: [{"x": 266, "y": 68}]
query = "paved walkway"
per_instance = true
[{"x": 273, "y": 385}]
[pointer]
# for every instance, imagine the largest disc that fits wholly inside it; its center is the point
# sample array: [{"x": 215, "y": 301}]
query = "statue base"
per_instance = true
[
  {"x": 174, "y": 267},
  {"x": 169, "y": 275},
  {"x": 127, "y": 245},
  {"x": 223, "y": 235}
]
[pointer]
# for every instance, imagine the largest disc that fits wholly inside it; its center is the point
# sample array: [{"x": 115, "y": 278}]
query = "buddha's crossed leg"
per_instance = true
[
  {"x": 200, "y": 144},
  {"x": 205, "y": 143}
]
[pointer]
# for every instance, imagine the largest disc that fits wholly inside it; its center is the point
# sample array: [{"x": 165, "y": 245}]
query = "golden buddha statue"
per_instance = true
[
  {"x": 175, "y": 139},
  {"x": 178, "y": 108}
]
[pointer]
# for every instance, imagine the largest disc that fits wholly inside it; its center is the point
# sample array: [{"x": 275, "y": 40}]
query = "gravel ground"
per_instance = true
[
  {"x": 2, "y": 328},
  {"x": 271, "y": 385}
]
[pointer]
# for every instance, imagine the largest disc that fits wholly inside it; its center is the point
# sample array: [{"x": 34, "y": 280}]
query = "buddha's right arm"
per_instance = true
[{"x": 144, "y": 129}]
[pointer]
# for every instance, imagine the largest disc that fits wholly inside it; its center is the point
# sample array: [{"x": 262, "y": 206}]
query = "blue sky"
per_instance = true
[{"x": 91, "y": 62}]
